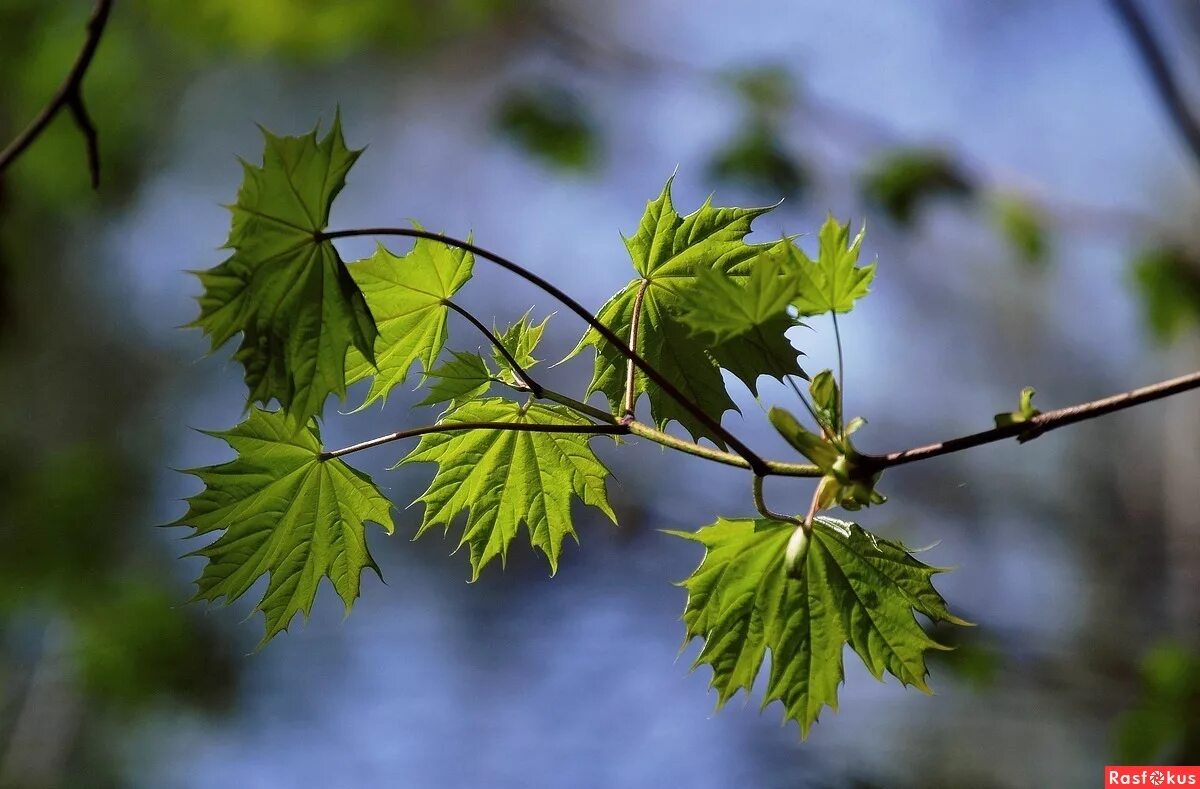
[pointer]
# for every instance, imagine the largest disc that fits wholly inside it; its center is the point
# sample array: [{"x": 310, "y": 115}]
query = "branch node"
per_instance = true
[{"x": 91, "y": 139}]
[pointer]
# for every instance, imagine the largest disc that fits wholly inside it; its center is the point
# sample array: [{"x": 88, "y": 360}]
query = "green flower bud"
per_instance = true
[{"x": 796, "y": 554}]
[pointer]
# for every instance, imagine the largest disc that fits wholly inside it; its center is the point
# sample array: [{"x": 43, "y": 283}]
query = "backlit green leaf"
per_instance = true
[
  {"x": 505, "y": 478},
  {"x": 289, "y": 295},
  {"x": 282, "y": 512},
  {"x": 853, "y": 588},
  {"x": 724, "y": 307},
  {"x": 407, "y": 295},
  {"x": 669, "y": 252},
  {"x": 465, "y": 377},
  {"x": 827, "y": 402}
]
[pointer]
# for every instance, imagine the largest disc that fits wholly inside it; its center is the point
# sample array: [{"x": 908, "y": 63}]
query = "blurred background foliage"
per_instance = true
[{"x": 1080, "y": 558}]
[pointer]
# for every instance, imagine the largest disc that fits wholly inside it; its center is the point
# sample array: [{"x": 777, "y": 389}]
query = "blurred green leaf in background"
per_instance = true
[
  {"x": 550, "y": 123},
  {"x": 1168, "y": 281},
  {"x": 756, "y": 157},
  {"x": 1164, "y": 725},
  {"x": 901, "y": 181},
  {"x": 1019, "y": 223}
]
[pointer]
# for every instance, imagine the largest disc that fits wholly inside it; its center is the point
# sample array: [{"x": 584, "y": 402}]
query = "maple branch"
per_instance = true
[
  {"x": 779, "y": 468},
  {"x": 1159, "y": 70},
  {"x": 451, "y": 427},
  {"x": 1042, "y": 423},
  {"x": 754, "y": 462},
  {"x": 70, "y": 96},
  {"x": 533, "y": 386},
  {"x": 634, "y": 321},
  {"x": 1023, "y": 431},
  {"x": 528, "y": 384},
  {"x": 580, "y": 407}
]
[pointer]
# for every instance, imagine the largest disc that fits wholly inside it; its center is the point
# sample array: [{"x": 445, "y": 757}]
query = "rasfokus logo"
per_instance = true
[{"x": 1158, "y": 775}]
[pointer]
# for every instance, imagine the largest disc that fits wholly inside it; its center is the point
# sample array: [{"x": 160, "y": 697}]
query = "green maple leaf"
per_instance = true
[
  {"x": 853, "y": 588},
  {"x": 288, "y": 294},
  {"x": 669, "y": 253},
  {"x": 407, "y": 294},
  {"x": 465, "y": 377},
  {"x": 834, "y": 281},
  {"x": 720, "y": 306},
  {"x": 507, "y": 478},
  {"x": 520, "y": 339},
  {"x": 283, "y": 512}
]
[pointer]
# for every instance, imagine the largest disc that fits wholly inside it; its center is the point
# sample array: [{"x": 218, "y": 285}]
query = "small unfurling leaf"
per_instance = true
[
  {"x": 834, "y": 281},
  {"x": 1025, "y": 410},
  {"x": 520, "y": 339}
]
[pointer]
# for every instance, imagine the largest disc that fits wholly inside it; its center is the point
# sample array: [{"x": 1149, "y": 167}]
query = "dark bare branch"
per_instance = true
[
  {"x": 69, "y": 96},
  {"x": 1159, "y": 70}
]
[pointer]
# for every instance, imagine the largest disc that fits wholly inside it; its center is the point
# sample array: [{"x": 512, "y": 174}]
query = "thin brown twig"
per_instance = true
[
  {"x": 70, "y": 96},
  {"x": 1043, "y": 423},
  {"x": 451, "y": 427}
]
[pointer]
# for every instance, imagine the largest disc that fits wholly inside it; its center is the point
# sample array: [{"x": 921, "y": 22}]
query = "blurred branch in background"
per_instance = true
[
  {"x": 70, "y": 96},
  {"x": 1161, "y": 75}
]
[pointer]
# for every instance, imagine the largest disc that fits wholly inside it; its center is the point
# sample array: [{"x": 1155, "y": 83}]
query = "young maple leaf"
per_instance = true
[{"x": 834, "y": 281}]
